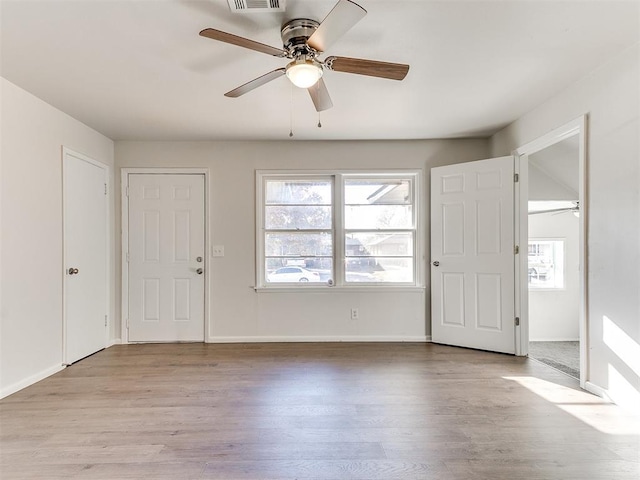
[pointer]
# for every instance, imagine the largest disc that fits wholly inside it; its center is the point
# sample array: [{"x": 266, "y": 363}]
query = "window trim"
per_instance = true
[{"x": 338, "y": 229}]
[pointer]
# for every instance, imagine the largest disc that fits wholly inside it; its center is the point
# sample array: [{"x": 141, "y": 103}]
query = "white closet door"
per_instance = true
[{"x": 85, "y": 255}]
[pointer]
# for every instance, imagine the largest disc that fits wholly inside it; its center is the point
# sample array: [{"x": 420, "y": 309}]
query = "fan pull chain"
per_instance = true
[
  {"x": 319, "y": 122},
  {"x": 291, "y": 115}
]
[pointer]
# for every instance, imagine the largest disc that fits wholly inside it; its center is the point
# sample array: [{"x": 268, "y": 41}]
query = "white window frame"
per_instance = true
[{"x": 338, "y": 228}]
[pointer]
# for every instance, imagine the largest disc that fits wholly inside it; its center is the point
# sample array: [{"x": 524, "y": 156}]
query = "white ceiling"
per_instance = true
[{"x": 138, "y": 70}]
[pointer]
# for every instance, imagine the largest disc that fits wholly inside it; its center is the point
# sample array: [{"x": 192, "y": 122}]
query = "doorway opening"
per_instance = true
[{"x": 552, "y": 273}]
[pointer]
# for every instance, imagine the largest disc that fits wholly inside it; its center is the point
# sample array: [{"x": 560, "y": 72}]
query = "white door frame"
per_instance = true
[
  {"x": 67, "y": 151},
  {"x": 578, "y": 127},
  {"x": 124, "y": 185}
]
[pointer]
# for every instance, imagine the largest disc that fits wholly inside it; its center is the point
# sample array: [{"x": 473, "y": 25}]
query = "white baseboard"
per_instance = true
[
  {"x": 554, "y": 339},
  {"x": 114, "y": 341},
  {"x": 596, "y": 390},
  {"x": 321, "y": 339},
  {"x": 11, "y": 389}
]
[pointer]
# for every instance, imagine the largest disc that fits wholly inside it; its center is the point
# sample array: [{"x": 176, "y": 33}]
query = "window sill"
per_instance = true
[{"x": 343, "y": 289}]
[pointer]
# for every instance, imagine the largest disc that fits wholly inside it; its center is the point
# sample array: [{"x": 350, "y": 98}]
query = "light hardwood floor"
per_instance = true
[{"x": 312, "y": 411}]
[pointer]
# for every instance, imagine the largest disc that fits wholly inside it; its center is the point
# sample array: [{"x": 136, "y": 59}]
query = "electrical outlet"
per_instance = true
[
  {"x": 355, "y": 314},
  {"x": 217, "y": 251}
]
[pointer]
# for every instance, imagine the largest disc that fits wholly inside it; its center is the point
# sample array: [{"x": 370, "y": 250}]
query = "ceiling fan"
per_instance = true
[{"x": 304, "y": 40}]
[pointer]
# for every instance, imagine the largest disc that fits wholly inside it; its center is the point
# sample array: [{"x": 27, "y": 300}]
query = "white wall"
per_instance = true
[
  {"x": 554, "y": 314},
  {"x": 544, "y": 187},
  {"x": 33, "y": 134},
  {"x": 239, "y": 313},
  {"x": 611, "y": 98}
]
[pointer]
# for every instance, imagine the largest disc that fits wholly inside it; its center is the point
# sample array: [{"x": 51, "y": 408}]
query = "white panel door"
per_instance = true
[
  {"x": 166, "y": 257},
  {"x": 472, "y": 255},
  {"x": 85, "y": 256}
]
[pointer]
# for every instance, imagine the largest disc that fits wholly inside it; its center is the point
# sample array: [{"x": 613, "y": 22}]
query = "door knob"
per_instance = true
[
  {"x": 199, "y": 271},
  {"x": 436, "y": 263},
  {"x": 73, "y": 271}
]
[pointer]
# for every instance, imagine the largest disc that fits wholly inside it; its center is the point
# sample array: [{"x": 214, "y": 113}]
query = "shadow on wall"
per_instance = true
[{"x": 624, "y": 377}]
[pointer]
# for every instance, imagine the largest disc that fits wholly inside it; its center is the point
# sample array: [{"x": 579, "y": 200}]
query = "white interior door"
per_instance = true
[
  {"x": 472, "y": 255},
  {"x": 166, "y": 257},
  {"x": 85, "y": 256}
]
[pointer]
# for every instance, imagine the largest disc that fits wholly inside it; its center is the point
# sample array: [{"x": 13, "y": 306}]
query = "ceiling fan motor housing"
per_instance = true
[{"x": 295, "y": 33}]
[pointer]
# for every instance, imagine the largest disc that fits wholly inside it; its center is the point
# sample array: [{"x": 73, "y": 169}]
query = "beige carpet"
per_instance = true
[{"x": 563, "y": 356}]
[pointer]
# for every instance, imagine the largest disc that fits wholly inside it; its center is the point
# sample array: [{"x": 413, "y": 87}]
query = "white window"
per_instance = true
[
  {"x": 337, "y": 229},
  {"x": 546, "y": 264},
  {"x": 298, "y": 229}
]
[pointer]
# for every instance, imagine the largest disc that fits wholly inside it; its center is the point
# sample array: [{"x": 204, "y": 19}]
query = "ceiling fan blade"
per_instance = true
[
  {"x": 242, "y": 42},
  {"x": 373, "y": 68},
  {"x": 344, "y": 15},
  {"x": 255, "y": 83},
  {"x": 320, "y": 96}
]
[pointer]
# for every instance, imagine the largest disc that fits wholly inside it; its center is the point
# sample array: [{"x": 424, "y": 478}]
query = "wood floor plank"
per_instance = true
[{"x": 313, "y": 411}]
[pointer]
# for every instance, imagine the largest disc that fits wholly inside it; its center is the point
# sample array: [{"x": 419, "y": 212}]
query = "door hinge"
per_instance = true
[
  {"x": 516, "y": 178},
  {"x": 105, "y": 188},
  {"x": 126, "y": 191},
  {"x": 127, "y": 256},
  {"x": 516, "y": 249},
  {"x": 127, "y": 324},
  {"x": 517, "y": 321},
  {"x": 105, "y": 320}
]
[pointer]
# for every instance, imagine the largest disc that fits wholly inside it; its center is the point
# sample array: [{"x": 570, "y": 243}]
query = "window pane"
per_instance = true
[
  {"x": 365, "y": 244},
  {"x": 378, "y": 192},
  {"x": 302, "y": 192},
  {"x": 309, "y": 270},
  {"x": 378, "y": 216},
  {"x": 297, "y": 217},
  {"x": 379, "y": 269},
  {"x": 546, "y": 264},
  {"x": 298, "y": 244}
]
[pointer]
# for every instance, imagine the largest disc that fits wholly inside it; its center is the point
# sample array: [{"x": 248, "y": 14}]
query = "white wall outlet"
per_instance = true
[
  {"x": 355, "y": 315},
  {"x": 217, "y": 251}
]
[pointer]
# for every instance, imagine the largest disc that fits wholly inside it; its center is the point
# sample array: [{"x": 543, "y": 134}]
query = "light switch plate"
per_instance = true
[{"x": 217, "y": 251}]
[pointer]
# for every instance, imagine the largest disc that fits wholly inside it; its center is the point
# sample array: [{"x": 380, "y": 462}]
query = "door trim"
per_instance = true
[
  {"x": 578, "y": 127},
  {"x": 107, "y": 174},
  {"x": 124, "y": 184}
]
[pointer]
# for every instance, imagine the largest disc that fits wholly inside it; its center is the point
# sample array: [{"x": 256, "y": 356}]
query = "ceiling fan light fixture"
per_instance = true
[{"x": 304, "y": 73}]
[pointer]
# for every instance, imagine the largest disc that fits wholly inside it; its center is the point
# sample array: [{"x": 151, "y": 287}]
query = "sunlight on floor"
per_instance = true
[{"x": 594, "y": 411}]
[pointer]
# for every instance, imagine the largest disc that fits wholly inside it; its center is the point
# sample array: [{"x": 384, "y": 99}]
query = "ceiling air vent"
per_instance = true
[{"x": 240, "y": 6}]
